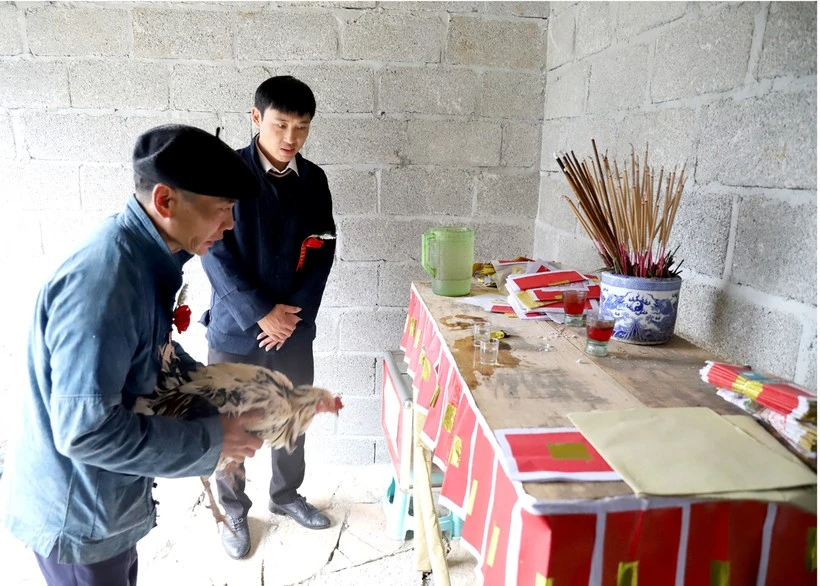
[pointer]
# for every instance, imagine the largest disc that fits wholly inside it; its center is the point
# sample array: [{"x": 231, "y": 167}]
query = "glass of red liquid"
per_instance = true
[
  {"x": 599, "y": 331},
  {"x": 574, "y": 303}
]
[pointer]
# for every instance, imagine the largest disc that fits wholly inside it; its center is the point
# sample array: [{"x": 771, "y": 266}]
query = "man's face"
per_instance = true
[
  {"x": 199, "y": 220},
  {"x": 281, "y": 135}
]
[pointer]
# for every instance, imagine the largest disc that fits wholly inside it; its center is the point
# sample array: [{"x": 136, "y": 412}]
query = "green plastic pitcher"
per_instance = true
[{"x": 447, "y": 254}]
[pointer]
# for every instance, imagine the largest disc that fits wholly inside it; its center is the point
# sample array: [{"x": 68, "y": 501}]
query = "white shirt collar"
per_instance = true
[{"x": 268, "y": 166}]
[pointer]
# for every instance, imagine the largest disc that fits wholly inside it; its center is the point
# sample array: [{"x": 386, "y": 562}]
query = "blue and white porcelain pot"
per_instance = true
[{"x": 645, "y": 310}]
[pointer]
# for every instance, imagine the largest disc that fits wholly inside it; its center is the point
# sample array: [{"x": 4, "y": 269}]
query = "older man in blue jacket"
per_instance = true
[
  {"x": 268, "y": 277},
  {"x": 77, "y": 487}
]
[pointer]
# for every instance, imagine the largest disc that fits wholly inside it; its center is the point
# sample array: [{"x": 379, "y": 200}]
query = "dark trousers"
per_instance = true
[
  {"x": 120, "y": 570},
  {"x": 295, "y": 360}
]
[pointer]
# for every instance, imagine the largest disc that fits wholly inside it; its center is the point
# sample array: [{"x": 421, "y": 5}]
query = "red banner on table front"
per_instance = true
[
  {"x": 456, "y": 478},
  {"x": 410, "y": 323},
  {"x": 424, "y": 361},
  {"x": 494, "y": 568},
  {"x": 555, "y": 547},
  {"x": 430, "y": 395},
  {"x": 427, "y": 377},
  {"x": 725, "y": 539},
  {"x": 415, "y": 349},
  {"x": 641, "y": 547},
  {"x": 793, "y": 555},
  {"x": 479, "y": 492},
  {"x": 448, "y": 420}
]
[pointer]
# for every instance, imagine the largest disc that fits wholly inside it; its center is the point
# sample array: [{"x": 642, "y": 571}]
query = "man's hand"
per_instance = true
[
  {"x": 237, "y": 443},
  {"x": 278, "y": 326}
]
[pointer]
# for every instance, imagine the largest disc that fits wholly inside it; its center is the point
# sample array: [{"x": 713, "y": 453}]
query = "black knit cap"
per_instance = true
[{"x": 191, "y": 159}]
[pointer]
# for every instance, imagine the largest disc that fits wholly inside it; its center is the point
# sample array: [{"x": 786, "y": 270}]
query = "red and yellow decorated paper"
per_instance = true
[
  {"x": 456, "y": 479},
  {"x": 479, "y": 492},
  {"x": 411, "y": 322},
  {"x": 494, "y": 567},
  {"x": 793, "y": 554},
  {"x": 441, "y": 451}
]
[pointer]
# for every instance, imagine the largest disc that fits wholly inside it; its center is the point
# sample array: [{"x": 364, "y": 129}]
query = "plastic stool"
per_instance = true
[{"x": 399, "y": 521}]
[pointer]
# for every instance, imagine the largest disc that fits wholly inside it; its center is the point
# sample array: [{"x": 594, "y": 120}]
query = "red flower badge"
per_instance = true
[{"x": 182, "y": 313}]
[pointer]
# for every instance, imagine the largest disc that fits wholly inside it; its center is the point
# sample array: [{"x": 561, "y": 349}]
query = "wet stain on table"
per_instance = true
[
  {"x": 460, "y": 321},
  {"x": 466, "y": 356}
]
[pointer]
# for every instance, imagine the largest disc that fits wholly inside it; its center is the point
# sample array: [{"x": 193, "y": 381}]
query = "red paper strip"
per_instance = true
[{"x": 557, "y": 547}]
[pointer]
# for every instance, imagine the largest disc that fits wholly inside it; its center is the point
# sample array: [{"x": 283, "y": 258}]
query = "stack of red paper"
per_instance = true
[{"x": 540, "y": 295}]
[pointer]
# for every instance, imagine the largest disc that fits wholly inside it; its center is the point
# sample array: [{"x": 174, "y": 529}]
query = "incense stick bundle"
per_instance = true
[{"x": 627, "y": 213}]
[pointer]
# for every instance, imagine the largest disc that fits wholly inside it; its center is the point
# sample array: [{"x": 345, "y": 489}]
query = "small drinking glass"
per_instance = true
[
  {"x": 575, "y": 301},
  {"x": 488, "y": 351},
  {"x": 599, "y": 331},
  {"x": 481, "y": 331}
]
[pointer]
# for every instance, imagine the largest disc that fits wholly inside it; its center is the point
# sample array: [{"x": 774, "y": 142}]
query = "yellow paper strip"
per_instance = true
[
  {"x": 811, "y": 550},
  {"x": 627, "y": 574},
  {"x": 471, "y": 501},
  {"x": 449, "y": 417},
  {"x": 422, "y": 356},
  {"x": 494, "y": 546},
  {"x": 417, "y": 339},
  {"x": 542, "y": 580},
  {"x": 434, "y": 398},
  {"x": 719, "y": 573},
  {"x": 426, "y": 370},
  {"x": 455, "y": 452},
  {"x": 412, "y": 327},
  {"x": 569, "y": 451}
]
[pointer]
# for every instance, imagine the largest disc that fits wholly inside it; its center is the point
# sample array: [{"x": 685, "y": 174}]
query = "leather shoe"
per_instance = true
[
  {"x": 302, "y": 512},
  {"x": 236, "y": 537}
]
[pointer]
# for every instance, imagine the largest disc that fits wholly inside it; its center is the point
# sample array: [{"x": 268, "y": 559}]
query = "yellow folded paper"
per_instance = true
[{"x": 687, "y": 451}]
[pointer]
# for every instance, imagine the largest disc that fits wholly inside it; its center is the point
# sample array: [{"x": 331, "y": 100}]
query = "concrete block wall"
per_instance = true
[
  {"x": 730, "y": 89},
  {"x": 430, "y": 113}
]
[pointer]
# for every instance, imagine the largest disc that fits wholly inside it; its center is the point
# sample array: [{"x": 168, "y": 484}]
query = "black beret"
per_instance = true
[{"x": 191, "y": 159}]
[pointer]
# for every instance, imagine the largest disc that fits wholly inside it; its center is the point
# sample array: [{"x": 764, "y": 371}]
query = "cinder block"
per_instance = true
[
  {"x": 64, "y": 231},
  {"x": 158, "y": 34},
  {"x": 768, "y": 141},
  {"x": 338, "y": 88},
  {"x": 351, "y": 284},
  {"x": 327, "y": 330},
  {"x": 392, "y": 36},
  {"x": 553, "y": 209},
  {"x": 575, "y": 134},
  {"x": 7, "y": 149},
  {"x": 495, "y": 43},
  {"x": 634, "y": 18},
  {"x": 525, "y": 9},
  {"x": 617, "y": 80},
  {"x": 358, "y": 5},
  {"x": 806, "y": 371},
  {"x": 338, "y": 450},
  {"x": 594, "y": 28},
  {"x": 496, "y": 240},
  {"x": 371, "y": 141},
  {"x": 521, "y": 144},
  {"x": 394, "y": 282},
  {"x": 377, "y": 238},
  {"x": 74, "y": 136},
  {"x": 566, "y": 91},
  {"x": 698, "y": 57},
  {"x": 10, "y": 37},
  {"x": 512, "y": 95},
  {"x": 577, "y": 252},
  {"x": 546, "y": 241},
  {"x": 371, "y": 330},
  {"x": 105, "y": 188},
  {"x": 507, "y": 195},
  {"x": 204, "y": 88},
  {"x": 784, "y": 234},
  {"x": 670, "y": 134},
  {"x": 560, "y": 37},
  {"x": 723, "y": 324},
  {"x": 33, "y": 84},
  {"x": 456, "y": 6},
  {"x": 346, "y": 374},
  {"x": 38, "y": 185},
  {"x": 382, "y": 454},
  {"x": 286, "y": 34},
  {"x": 120, "y": 83},
  {"x": 353, "y": 191},
  {"x": 361, "y": 416},
  {"x": 23, "y": 234},
  {"x": 790, "y": 42},
  {"x": 428, "y": 90},
  {"x": 418, "y": 191},
  {"x": 237, "y": 128},
  {"x": 82, "y": 31},
  {"x": 472, "y": 143},
  {"x": 701, "y": 229}
]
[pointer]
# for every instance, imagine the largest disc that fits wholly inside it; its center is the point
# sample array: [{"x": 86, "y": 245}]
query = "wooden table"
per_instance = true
[{"x": 532, "y": 387}]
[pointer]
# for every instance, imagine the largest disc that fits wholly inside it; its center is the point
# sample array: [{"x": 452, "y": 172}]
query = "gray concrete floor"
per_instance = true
[{"x": 184, "y": 549}]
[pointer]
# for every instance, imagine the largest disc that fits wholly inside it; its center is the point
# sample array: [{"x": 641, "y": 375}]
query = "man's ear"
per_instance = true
[
  {"x": 164, "y": 199},
  {"x": 256, "y": 117}
]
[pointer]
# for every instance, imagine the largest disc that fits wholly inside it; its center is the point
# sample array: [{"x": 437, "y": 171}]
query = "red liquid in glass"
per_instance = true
[
  {"x": 600, "y": 333},
  {"x": 573, "y": 307}
]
